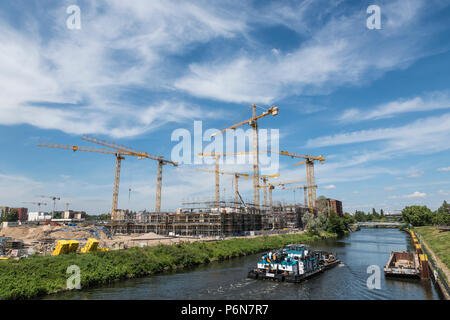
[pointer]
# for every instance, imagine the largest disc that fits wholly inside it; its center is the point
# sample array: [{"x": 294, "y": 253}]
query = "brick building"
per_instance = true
[{"x": 23, "y": 213}]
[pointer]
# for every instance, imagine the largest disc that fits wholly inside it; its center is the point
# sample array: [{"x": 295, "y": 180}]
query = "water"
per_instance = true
[{"x": 227, "y": 279}]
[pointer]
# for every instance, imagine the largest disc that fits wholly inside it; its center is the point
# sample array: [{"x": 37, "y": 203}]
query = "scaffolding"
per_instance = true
[{"x": 206, "y": 219}]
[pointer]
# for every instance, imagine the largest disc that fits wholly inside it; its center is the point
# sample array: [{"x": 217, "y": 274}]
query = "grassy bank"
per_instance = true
[
  {"x": 438, "y": 241},
  {"x": 40, "y": 275}
]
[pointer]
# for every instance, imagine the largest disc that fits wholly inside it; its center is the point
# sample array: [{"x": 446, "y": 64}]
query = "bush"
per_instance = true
[{"x": 40, "y": 275}]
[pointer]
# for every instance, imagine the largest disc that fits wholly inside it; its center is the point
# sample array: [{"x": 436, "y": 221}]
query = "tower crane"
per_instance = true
[
  {"x": 54, "y": 202},
  {"x": 264, "y": 179},
  {"x": 305, "y": 188},
  {"x": 217, "y": 156},
  {"x": 38, "y": 204},
  {"x": 253, "y": 122},
  {"x": 237, "y": 176},
  {"x": 310, "y": 179},
  {"x": 271, "y": 186},
  {"x": 141, "y": 155},
  {"x": 119, "y": 158}
]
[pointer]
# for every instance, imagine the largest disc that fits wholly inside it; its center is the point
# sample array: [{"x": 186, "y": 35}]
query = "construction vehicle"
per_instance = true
[{"x": 253, "y": 122}]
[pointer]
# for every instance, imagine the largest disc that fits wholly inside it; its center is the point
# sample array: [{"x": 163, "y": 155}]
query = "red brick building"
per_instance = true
[
  {"x": 334, "y": 205},
  {"x": 23, "y": 213}
]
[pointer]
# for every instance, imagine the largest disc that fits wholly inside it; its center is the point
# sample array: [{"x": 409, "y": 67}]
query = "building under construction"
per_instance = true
[{"x": 208, "y": 220}]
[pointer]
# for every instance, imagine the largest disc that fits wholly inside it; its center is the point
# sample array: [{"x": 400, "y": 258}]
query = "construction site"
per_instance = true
[{"x": 195, "y": 220}]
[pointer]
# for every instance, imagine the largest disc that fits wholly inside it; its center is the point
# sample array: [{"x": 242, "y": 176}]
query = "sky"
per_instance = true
[{"x": 374, "y": 102}]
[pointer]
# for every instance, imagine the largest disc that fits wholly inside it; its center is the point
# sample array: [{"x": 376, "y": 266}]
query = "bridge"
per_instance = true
[{"x": 374, "y": 224}]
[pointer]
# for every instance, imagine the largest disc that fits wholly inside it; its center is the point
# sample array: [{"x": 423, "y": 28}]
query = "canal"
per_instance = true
[{"x": 227, "y": 279}]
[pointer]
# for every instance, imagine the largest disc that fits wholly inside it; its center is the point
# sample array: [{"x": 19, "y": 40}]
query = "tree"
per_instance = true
[
  {"x": 12, "y": 216},
  {"x": 313, "y": 224},
  {"x": 322, "y": 204},
  {"x": 442, "y": 215},
  {"x": 417, "y": 215},
  {"x": 360, "y": 216},
  {"x": 337, "y": 224}
]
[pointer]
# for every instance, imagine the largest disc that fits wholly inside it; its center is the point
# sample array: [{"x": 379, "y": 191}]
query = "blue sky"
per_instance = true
[{"x": 375, "y": 103}]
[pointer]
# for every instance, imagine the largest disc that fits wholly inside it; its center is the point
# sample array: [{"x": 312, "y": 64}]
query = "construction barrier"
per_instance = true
[{"x": 62, "y": 247}]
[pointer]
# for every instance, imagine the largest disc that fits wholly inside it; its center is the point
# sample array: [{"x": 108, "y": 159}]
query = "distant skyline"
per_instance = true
[{"x": 375, "y": 103}]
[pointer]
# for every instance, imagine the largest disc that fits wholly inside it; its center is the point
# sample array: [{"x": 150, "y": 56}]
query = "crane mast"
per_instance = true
[{"x": 254, "y": 124}]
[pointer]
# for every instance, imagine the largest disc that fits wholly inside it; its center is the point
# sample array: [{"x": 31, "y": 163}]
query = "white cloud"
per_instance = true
[
  {"x": 432, "y": 101},
  {"x": 338, "y": 52},
  {"x": 421, "y": 136},
  {"x": 413, "y": 195},
  {"x": 78, "y": 82},
  {"x": 331, "y": 186},
  {"x": 444, "y": 192},
  {"x": 444, "y": 169},
  {"x": 415, "y": 174}
]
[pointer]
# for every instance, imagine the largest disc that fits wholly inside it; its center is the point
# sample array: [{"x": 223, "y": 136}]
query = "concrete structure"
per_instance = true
[
  {"x": 39, "y": 216},
  {"x": 205, "y": 219},
  {"x": 70, "y": 214}
]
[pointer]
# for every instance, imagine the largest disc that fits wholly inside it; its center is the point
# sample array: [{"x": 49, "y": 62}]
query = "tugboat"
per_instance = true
[{"x": 294, "y": 263}]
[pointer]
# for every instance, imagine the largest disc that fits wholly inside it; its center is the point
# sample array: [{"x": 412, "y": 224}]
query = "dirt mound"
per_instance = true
[{"x": 52, "y": 232}]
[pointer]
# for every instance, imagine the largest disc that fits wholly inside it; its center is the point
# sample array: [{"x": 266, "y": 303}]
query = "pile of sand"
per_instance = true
[{"x": 48, "y": 232}]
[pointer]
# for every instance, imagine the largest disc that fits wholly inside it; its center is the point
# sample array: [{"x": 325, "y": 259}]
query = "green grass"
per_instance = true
[
  {"x": 39, "y": 275},
  {"x": 438, "y": 241}
]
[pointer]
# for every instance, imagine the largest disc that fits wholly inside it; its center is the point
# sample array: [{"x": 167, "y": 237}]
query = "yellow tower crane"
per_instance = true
[
  {"x": 237, "y": 176},
  {"x": 119, "y": 153},
  {"x": 119, "y": 158},
  {"x": 310, "y": 178},
  {"x": 282, "y": 184},
  {"x": 141, "y": 155},
  {"x": 217, "y": 156},
  {"x": 305, "y": 188},
  {"x": 266, "y": 186},
  {"x": 253, "y": 122}
]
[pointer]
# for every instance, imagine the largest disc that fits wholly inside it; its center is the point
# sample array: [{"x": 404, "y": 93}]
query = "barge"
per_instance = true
[
  {"x": 294, "y": 263},
  {"x": 403, "y": 264}
]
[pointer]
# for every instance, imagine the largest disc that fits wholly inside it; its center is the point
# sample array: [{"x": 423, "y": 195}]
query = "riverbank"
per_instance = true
[
  {"x": 41, "y": 275},
  {"x": 437, "y": 243}
]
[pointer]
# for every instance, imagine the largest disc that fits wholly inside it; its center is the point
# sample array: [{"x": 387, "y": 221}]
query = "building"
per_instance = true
[
  {"x": 4, "y": 211},
  {"x": 332, "y": 204},
  {"x": 70, "y": 214},
  {"x": 39, "y": 216},
  {"x": 393, "y": 215},
  {"x": 23, "y": 213}
]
